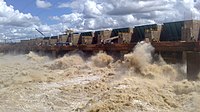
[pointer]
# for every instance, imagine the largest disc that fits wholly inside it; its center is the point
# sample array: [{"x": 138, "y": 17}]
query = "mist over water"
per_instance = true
[{"x": 137, "y": 83}]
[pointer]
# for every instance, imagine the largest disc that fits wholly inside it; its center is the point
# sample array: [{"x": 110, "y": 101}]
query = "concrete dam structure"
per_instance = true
[{"x": 176, "y": 42}]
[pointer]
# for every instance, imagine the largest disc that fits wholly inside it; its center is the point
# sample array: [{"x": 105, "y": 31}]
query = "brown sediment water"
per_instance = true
[{"x": 36, "y": 83}]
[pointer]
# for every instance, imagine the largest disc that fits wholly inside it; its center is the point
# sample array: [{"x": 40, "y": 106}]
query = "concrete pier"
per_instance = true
[
  {"x": 193, "y": 65},
  {"x": 54, "y": 54}
]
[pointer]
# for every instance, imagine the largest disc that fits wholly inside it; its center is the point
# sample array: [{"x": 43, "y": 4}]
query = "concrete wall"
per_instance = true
[
  {"x": 139, "y": 32},
  {"x": 190, "y": 30},
  {"x": 25, "y": 42},
  {"x": 53, "y": 41},
  {"x": 153, "y": 34},
  {"x": 115, "y": 32},
  {"x": 124, "y": 34},
  {"x": 39, "y": 41},
  {"x": 103, "y": 35},
  {"x": 45, "y": 42},
  {"x": 63, "y": 38},
  {"x": 124, "y": 37},
  {"x": 32, "y": 42},
  {"x": 193, "y": 65},
  {"x": 74, "y": 39},
  {"x": 86, "y": 39}
]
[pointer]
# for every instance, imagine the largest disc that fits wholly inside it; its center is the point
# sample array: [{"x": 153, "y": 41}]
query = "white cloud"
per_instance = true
[
  {"x": 92, "y": 9},
  {"x": 44, "y": 28},
  {"x": 16, "y": 25},
  {"x": 73, "y": 20},
  {"x": 43, "y": 4},
  {"x": 11, "y": 17},
  {"x": 123, "y": 7},
  {"x": 99, "y": 14},
  {"x": 73, "y": 17},
  {"x": 96, "y": 14}
]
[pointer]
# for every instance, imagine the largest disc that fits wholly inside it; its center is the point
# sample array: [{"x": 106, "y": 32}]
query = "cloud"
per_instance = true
[
  {"x": 95, "y": 15},
  {"x": 123, "y": 7},
  {"x": 92, "y": 9},
  {"x": 43, "y": 4},
  {"x": 100, "y": 14},
  {"x": 16, "y": 25},
  {"x": 11, "y": 17}
]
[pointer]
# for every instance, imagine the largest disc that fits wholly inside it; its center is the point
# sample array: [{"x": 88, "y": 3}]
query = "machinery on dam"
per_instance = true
[{"x": 174, "y": 41}]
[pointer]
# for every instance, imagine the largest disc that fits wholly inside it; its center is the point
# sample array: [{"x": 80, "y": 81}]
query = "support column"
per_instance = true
[
  {"x": 193, "y": 65},
  {"x": 54, "y": 54}
]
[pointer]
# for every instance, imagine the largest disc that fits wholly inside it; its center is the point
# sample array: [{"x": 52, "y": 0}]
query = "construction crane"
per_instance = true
[{"x": 40, "y": 32}]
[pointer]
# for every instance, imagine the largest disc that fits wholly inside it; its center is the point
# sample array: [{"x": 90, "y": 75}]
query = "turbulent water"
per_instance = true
[{"x": 33, "y": 83}]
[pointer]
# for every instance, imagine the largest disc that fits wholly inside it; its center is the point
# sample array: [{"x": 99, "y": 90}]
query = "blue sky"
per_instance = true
[
  {"x": 19, "y": 18},
  {"x": 29, "y": 6}
]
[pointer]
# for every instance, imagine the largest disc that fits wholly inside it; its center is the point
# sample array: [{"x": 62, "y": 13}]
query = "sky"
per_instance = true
[{"x": 19, "y": 18}]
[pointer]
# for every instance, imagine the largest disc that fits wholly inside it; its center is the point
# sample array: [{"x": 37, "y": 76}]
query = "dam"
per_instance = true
[{"x": 176, "y": 42}]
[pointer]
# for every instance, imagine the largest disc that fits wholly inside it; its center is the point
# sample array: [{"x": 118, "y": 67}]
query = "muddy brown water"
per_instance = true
[{"x": 33, "y": 83}]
